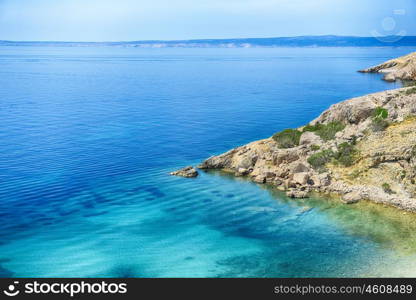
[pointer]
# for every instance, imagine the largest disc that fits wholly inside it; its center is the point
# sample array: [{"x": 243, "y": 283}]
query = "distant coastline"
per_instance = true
[{"x": 298, "y": 41}]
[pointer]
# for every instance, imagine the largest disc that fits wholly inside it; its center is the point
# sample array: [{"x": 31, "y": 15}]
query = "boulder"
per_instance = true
[
  {"x": 351, "y": 198},
  {"x": 278, "y": 181},
  {"x": 310, "y": 138},
  {"x": 247, "y": 161},
  {"x": 324, "y": 179},
  {"x": 282, "y": 172},
  {"x": 351, "y": 111},
  {"x": 288, "y": 183},
  {"x": 301, "y": 178},
  {"x": 187, "y": 172},
  {"x": 285, "y": 156},
  {"x": 242, "y": 172},
  {"x": 270, "y": 174},
  {"x": 300, "y": 168},
  {"x": 259, "y": 179},
  {"x": 349, "y": 133},
  {"x": 315, "y": 181},
  {"x": 297, "y": 194}
]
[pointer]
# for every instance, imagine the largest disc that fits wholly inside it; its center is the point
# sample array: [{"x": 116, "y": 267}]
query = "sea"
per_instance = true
[{"x": 88, "y": 136}]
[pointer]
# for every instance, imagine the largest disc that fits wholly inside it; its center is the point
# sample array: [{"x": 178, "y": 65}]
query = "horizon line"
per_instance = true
[{"x": 205, "y": 39}]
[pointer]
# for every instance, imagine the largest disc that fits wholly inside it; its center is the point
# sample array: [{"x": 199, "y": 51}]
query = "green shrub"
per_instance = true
[
  {"x": 346, "y": 154},
  {"x": 414, "y": 151},
  {"x": 409, "y": 91},
  {"x": 354, "y": 174},
  {"x": 381, "y": 113},
  {"x": 320, "y": 159},
  {"x": 386, "y": 188},
  {"x": 325, "y": 131},
  {"x": 287, "y": 138},
  {"x": 312, "y": 128},
  {"x": 378, "y": 124},
  {"x": 408, "y": 83},
  {"x": 315, "y": 147}
]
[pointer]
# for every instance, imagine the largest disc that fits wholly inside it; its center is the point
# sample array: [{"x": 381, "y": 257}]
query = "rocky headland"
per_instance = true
[
  {"x": 359, "y": 149},
  {"x": 403, "y": 68}
]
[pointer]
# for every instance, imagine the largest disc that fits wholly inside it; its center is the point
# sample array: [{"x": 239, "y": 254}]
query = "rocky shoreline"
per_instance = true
[
  {"x": 402, "y": 68},
  {"x": 359, "y": 149}
]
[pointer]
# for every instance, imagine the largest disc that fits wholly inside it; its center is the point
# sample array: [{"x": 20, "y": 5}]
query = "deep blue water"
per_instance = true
[{"x": 88, "y": 136}]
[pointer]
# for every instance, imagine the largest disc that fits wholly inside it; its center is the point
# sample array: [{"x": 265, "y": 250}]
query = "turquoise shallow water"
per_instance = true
[{"x": 89, "y": 135}]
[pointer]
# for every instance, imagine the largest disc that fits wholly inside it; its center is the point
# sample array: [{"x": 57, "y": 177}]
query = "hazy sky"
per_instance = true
[{"x": 117, "y": 20}]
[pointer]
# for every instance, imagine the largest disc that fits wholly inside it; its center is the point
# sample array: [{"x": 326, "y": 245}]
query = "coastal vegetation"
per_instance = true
[
  {"x": 345, "y": 156},
  {"x": 409, "y": 91},
  {"x": 315, "y": 147},
  {"x": 287, "y": 138},
  {"x": 386, "y": 187},
  {"x": 290, "y": 138},
  {"x": 325, "y": 131},
  {"x": 381, "y": 113},
  {"x": 320, "y": 159},
  {"x": 379, "y": 122}
]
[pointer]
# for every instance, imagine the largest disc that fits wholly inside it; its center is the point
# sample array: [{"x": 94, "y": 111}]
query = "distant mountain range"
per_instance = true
[{"x": 299, "y": 41}]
